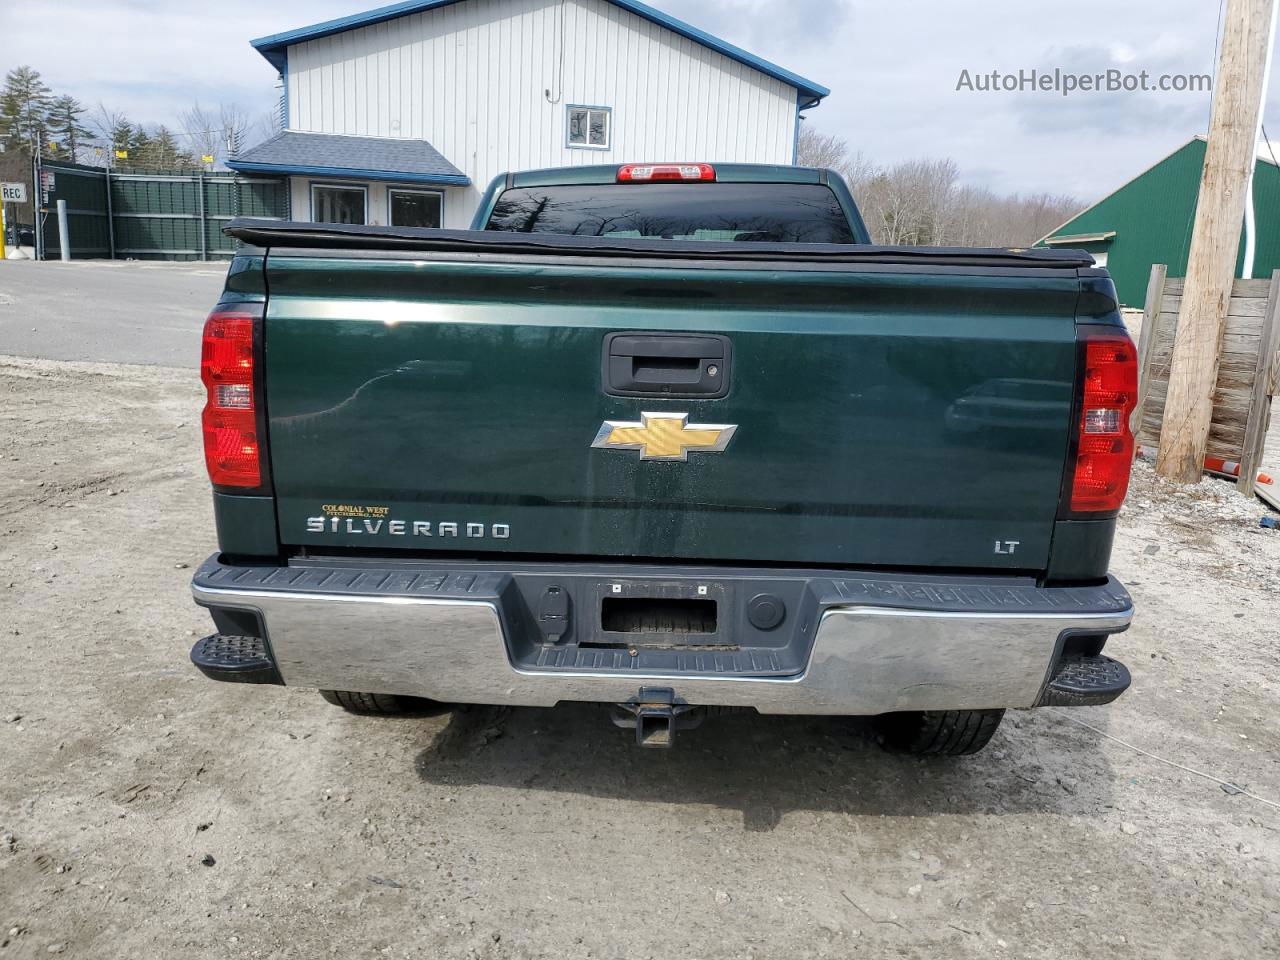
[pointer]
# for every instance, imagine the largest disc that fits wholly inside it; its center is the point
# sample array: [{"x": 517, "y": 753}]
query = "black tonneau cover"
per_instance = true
[{"x": 339, "y": 236}]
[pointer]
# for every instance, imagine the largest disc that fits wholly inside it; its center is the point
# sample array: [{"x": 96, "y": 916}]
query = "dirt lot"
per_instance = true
[{"x": 526, "y": 833}]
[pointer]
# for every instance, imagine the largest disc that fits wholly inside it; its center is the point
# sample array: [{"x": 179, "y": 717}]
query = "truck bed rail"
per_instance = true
[{"x": 337, "y": 236}]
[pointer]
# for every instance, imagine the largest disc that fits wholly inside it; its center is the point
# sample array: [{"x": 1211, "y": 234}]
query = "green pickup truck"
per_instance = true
[{"x": 674, "y": 438}]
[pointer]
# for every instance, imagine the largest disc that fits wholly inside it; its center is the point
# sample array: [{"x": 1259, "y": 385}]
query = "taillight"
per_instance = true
[
  {"x": 655, "y": 172},
  {"x": 231, "y": 444},
  {"x": 1104, "y": 441}
]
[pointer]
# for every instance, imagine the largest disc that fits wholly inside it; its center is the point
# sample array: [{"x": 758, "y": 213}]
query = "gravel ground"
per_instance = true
[{"x": 147, "y": 812}]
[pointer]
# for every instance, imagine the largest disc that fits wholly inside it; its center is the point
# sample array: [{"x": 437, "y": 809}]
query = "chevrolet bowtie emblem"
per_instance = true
[{"x": 664, "y": 436}]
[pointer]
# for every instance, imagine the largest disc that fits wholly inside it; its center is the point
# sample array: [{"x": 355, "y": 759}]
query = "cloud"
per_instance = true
[
  {"x": 892, "y": 68},
  {"x": 151, "y": 60},
  {"x": 768, "y": 28},
  {"x": 1113, "y": 114}
]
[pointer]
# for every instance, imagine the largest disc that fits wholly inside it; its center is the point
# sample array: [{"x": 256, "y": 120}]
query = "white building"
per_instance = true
[{"x": 404, "y": 114}]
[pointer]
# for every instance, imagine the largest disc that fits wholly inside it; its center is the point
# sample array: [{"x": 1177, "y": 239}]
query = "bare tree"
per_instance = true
[
  {"x": 986, "y": 219},
  {"x": 235, "y": 127},
  {"x": 268, "y": 125},
  {"x": 219, "y": 134},
  {"x": 1045, "y": 212},
  {"x": 828, "y": 152},
  {"x": 910, "y": 203},
  {"x": 822, "y": 150},
  {"x": 923, "y": 202},
  {"x": 202, "y": 130}
]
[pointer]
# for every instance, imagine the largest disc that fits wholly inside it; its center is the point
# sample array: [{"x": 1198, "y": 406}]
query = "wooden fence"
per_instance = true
[{"x": 1248, "y": 368}]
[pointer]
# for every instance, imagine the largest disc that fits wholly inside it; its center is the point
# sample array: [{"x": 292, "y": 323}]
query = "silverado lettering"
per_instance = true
[{"x": 404, "y": 528}]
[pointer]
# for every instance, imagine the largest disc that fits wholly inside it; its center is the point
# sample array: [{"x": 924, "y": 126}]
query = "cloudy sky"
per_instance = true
[{"x": 893, "y": 69}]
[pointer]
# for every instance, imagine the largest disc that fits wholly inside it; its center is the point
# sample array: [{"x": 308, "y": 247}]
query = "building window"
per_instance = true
[
  {"x": 414, "y": 208},
  {"x": 589, "y": 128},
  {"x": 337, "y": 204}
]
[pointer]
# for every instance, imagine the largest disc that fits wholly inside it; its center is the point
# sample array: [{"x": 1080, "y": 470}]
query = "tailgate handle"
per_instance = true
[{"x": 666, "y": 365}]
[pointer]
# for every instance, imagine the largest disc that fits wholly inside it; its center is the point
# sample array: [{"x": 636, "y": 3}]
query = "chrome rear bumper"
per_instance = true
[{"x": 882, "y": 644}]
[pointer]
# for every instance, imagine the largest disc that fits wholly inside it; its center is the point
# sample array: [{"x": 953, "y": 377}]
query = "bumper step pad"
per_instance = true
[
  {"x": 234, "y": 659},
  {"x": 1086, "y": 682}
]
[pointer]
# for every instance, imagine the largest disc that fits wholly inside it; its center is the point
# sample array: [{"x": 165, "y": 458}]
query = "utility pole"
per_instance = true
[
  {"x": 1250, "y": 218},
  {"x": 1211, "y": 267}
]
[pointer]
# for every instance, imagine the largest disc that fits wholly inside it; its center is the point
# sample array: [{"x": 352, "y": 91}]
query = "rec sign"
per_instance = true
[{"x": 13, "y": 193}]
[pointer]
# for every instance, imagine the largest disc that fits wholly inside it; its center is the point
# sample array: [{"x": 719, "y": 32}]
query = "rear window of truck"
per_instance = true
[{"x": 724, "y": 212}]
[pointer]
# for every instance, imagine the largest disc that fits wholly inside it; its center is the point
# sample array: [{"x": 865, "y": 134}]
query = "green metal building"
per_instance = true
[{"x": 1149, "y": 220}]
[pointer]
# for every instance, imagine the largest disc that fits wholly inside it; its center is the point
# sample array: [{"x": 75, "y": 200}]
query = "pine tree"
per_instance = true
[
  {"x": 157, "y": 149},
  {"x": 65, "y": 125},
  {"x": 140, "y": 147},
  {"x": 24, "y": 108},
  {"x": 166, "y": 148},
  {"x": 121, "y": 134}
]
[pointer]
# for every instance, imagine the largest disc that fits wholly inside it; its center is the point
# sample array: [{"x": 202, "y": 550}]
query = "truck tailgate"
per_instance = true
[{"x": 882, "y": 414}]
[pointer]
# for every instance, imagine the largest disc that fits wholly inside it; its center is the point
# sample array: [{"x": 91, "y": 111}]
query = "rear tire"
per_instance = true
[
  {"x": 380, "y": 704},
  {"x": 939, "y": 733}
]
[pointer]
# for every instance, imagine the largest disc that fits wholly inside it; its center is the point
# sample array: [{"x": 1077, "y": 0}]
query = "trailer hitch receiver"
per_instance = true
[{"x": 656, "y": 713}]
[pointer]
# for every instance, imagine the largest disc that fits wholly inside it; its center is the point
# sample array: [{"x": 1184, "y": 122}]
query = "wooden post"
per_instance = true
[
  {"x": 1255, "y": 431},
  {"x": 1215, "y": 242},
  {"x": 1147, "y": 341}
]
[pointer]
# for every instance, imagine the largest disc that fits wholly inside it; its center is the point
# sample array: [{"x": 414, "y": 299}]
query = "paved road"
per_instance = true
[{"x": 120, "y": 312}]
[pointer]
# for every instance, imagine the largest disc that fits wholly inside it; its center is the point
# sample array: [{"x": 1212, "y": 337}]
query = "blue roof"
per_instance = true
[
  {"x": 337, "y": 155},
  {"x": 273, "y": 47}
]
